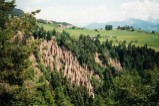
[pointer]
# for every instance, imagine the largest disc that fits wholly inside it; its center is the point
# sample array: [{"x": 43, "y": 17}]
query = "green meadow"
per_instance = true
[{"x": 139, "y": 38}]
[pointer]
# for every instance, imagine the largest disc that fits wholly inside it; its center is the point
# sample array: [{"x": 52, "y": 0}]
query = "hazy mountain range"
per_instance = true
[{"x": 136, "y": 23}]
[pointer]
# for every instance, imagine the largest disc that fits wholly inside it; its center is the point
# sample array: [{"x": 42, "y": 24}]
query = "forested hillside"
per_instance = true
[
  {"x": 51, "y": 68},
  {"x": 17, "y": 12}
]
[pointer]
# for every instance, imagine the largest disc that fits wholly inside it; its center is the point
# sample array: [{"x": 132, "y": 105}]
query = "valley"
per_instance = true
[{"x": 137, "y": 37}]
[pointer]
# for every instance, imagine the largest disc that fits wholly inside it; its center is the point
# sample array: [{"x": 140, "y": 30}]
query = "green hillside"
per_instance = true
[{"x": 138, "y": 38}]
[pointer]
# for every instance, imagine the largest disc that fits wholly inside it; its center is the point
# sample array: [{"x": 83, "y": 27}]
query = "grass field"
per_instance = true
[{"x": 138, "y": 38}]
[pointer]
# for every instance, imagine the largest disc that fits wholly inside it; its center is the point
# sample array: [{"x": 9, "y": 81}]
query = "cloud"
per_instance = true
[
  {"x": 39, "y": 1},
  {"x": 26, "y": 4},
  {"x": 142, "y": 9},
  {"x": 80, "y": 14},
  {"x": 33, "y": 1}
]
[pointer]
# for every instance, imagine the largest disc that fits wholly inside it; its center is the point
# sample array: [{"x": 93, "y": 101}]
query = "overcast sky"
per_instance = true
[{"x": 82, "y": 12}]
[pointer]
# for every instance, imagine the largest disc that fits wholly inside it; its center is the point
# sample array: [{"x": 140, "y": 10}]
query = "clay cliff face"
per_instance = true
[
  {"x": 116, "y": 64},
  {"x": 53, "y": 56},
  {"x": 113, "y": 62}
]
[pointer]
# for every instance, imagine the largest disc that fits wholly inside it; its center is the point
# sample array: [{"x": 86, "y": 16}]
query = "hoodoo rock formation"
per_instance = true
[
  {"x": 55, "y": 57},
  {"x": 116, "y": 64}
]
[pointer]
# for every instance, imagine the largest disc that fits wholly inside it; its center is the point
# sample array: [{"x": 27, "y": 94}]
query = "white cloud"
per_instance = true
[
  {"x": 79, "y": 16},
  {"x": 140, "y": 9},
  {"x": 83, "y": 14},
  {"x": 39, "y": 1},
  {"x": 34, "y": 1},
  {"x": 29, "y": 4}
]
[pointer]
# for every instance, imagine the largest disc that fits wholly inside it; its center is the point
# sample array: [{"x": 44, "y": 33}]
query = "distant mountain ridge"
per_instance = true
[
  {"x": 53, "y": 22},
  {"x": 17, "y": 12},
  {"x": 136, "y": 23},
  {"x": 20, "y": 13}
]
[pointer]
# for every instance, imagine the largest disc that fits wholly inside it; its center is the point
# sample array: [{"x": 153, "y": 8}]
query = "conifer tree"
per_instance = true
[{"x": 5, "y": 10}]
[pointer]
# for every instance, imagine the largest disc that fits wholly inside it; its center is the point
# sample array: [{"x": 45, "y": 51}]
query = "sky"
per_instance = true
[{"x": 83, "y": 12}]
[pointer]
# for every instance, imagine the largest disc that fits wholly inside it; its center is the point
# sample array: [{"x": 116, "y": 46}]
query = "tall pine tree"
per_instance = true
[{"x": 5, "y": 10}]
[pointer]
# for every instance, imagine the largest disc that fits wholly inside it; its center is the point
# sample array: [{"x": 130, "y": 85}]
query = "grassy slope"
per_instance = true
[{"x": 141, "y": 38}]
